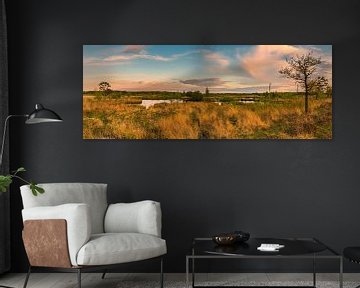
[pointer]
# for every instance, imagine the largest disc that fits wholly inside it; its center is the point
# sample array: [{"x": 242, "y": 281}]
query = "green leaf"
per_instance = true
[
  {"x": 20, "y": 169},
  {"x": 32, "y": 187},
  {"x": 5, "y": 182},
  {"x": 39, "y": 189},
  {"x": 36, "y": 189}
]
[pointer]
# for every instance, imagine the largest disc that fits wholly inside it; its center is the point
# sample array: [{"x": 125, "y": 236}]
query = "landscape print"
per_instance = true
[{"x": 207, "y": 91}]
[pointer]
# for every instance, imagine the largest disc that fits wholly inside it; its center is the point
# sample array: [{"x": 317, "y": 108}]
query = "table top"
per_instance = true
[{"x": 293, "y": 247}]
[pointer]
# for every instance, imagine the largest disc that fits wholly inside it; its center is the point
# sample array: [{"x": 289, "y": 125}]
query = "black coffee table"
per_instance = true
[{"x": 295, "y": 248}]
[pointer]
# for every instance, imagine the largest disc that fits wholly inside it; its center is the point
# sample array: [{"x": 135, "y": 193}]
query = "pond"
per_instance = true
[
  {"x": 148, "y": 103},
  {"x": 248, "y": 100}
]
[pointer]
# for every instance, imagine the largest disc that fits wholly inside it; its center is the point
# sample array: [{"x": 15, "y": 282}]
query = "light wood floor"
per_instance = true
[{"x": 68, "y": 280}]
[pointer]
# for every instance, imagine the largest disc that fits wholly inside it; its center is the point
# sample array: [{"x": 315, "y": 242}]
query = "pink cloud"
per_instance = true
[
  {"x": 150, "y": 85},
  {"x": 264, "y": 61},
  {"x": 116, "y": 58},
  {"x": 133, "y": 49},
  {"x": 143, "y": 85},
  {"x": 122, "y": 58},
  {"x": 217, "y": 59}
]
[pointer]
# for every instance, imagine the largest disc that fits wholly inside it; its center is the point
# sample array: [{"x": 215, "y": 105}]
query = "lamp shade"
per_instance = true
[{"x": 42, "y": 115}]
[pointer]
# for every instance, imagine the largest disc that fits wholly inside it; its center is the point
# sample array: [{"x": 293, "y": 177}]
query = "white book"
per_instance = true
[{"x": 270, "y": 247}]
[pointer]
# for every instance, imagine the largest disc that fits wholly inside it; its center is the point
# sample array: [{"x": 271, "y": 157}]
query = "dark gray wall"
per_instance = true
[{"x": 270, "y": 188}]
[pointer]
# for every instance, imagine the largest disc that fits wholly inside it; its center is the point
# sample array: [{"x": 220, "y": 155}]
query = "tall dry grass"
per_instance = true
[{"x": 115, "y": 119}]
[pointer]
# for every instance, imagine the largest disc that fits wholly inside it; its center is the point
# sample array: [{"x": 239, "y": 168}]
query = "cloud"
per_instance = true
[
  {"x": 176, "y": 85},
  {"x": 326, "y": 66},
  {"x": 122, "y": 59},
  {"x": 263, "y": 61},
  {"x": 129, "y": 53},
  {"x": 148, "y": 85},
  {"x": 217, "y": 59},
  {"x": 204, "y": 82},
  {"x": 90, "y": 60},
  {"x": 216, "y": 63},
  {"x": 128, "y": 57},
  {"x": 187, "y": 53},
  {"x": 133, "y": 49}
]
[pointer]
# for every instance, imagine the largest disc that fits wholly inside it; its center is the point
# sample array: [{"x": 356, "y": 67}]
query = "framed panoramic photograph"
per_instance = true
[{"x": 207, "y": 92}]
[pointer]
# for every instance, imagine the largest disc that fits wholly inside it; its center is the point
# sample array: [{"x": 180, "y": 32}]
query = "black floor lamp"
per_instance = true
[{"x": 39, "y": 115}]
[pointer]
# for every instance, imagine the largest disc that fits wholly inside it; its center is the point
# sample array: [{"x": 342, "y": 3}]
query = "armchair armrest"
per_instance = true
[
  {"x": 138, "y": 217},
  {"x": 77, "y": 217}
]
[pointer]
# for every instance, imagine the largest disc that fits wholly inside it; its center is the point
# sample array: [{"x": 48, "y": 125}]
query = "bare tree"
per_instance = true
[{"x": 302, "y": 70}]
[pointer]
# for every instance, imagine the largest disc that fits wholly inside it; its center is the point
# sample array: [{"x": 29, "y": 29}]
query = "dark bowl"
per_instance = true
[{"x": 225, "y": 239}]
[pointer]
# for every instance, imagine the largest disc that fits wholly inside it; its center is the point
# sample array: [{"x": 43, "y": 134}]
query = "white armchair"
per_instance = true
[{"x": 72, "y": 228}]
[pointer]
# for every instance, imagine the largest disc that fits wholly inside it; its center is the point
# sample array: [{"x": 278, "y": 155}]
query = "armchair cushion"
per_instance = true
[
  {"x": 113, "y": 248},
  {"x": 92, "y": 194},
  {"x": 78, "y": 221},
  {"x": 138, "y": 217}
]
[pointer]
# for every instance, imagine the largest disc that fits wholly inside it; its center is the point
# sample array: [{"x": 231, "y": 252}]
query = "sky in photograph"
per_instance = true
[{"x": 221, "y": 68}]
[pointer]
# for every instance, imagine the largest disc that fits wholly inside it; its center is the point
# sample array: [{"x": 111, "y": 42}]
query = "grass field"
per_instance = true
[{"x": 217, "y": 116}]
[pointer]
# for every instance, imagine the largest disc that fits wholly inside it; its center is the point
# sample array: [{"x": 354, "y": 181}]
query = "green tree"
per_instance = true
[
  {"x": 328, "y": 92},
  {"x": 195, "y": 96},
  {"x": 104, "y": 87},
  {"x": 319, "y": 86},
  {"x": 302, "y": 70}
]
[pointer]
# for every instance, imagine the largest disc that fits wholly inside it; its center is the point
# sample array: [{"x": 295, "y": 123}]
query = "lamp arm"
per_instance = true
[{"x": 4, "y": 134}]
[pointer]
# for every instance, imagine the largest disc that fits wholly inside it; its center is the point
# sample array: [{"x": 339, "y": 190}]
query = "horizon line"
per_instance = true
[{"x": 159, "y": 91}]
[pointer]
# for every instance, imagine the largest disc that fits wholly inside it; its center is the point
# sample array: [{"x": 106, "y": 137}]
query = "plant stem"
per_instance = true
[{"x": 20, "y": 178}]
